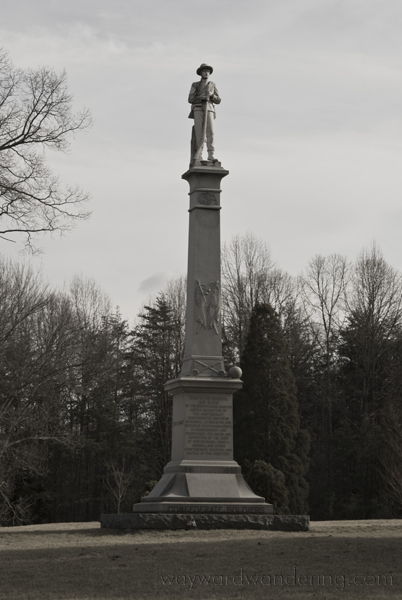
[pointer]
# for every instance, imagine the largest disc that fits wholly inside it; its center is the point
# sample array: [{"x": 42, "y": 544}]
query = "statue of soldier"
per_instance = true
[{"x": 202, "y": 97}]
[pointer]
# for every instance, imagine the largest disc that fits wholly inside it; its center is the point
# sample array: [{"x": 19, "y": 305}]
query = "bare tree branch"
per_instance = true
[{"x": 36, "y": 113}]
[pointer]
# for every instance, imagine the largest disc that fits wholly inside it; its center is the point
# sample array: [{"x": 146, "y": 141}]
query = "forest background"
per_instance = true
[{"x": 86, "y": 424}]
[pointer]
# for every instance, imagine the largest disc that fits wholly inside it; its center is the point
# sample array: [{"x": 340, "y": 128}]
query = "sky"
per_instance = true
[{"x": 310, "y": 129}]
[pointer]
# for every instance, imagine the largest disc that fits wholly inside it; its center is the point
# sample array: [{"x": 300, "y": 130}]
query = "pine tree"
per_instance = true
[
  {"x": 157, "y": 352},
  {"x": 266, "y": 420}
]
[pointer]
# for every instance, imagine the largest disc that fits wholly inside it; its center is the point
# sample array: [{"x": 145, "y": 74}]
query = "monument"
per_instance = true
[{"x": 202, "y": 482}]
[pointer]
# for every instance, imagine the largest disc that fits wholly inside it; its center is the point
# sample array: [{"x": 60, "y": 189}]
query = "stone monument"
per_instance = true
[{"x": 202, "y": 482}]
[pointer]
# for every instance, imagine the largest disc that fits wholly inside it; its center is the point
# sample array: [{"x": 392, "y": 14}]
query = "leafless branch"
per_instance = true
[{"x": 36, "y": 113}]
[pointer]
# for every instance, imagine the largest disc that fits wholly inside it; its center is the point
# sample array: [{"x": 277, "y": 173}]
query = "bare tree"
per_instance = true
[
  {"x": 176, "y": 296},
  {"x": 22, "y": 294},
  {"x": 119, "y": 478},
  {"x": 375, "y": 309},
  {"x": 246, "y": 263},
  {"x": 323, "y": 292},
  {"x": 249, "y": 276},
  {"x": 175, "y": 291},
  {"x": 90, "y": 303},
  {"x": 35, "y": 114},
  {"x": 280, "y": 291},
  {"x": 377, "y": 293},
  {"x": 36, "y": 336}
]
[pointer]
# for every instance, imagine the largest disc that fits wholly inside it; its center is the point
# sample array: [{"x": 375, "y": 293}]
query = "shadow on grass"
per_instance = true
[
  {"x": 90, "y": 532},
  {"x": 261, "y": 567}
]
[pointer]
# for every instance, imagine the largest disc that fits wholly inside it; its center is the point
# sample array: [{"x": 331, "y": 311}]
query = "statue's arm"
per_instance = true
[
  {"x": 193, "y": 93},
  {"x": 215, "y": 98}
]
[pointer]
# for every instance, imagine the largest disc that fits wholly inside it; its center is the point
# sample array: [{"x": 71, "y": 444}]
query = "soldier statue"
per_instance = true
[{"x": 202, "y": 97}]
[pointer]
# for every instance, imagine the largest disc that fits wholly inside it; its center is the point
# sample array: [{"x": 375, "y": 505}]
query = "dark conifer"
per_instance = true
[
  {"x": 266, "y": 420},
  {"x": 157, "y": 353}
]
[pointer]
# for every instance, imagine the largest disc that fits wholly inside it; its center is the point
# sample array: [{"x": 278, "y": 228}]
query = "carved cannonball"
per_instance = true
[{"x": 235, "y": 372}]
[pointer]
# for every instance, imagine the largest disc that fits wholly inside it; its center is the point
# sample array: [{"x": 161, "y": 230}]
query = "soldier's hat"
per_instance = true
[{"x": 202, "y": 67}]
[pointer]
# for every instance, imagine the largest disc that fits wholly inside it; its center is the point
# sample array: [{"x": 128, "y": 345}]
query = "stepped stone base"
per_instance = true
[{"x": 206, "y": 521}]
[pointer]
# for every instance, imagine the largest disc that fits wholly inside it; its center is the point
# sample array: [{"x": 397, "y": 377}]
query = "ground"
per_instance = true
[{"x": 79, "y": 561}]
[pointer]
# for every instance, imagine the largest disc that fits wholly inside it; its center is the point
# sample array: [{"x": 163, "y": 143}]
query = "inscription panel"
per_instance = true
[
  {"x": 208, "y": 427},
  {"x": 219, "y": 508}
]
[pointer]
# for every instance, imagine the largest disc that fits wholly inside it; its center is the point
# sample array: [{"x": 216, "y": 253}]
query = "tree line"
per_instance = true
[
  {"x": 85, "y": 424},
  {"x": 341, "y": 322}
]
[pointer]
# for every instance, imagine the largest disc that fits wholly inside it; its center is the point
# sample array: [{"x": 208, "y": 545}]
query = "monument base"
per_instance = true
[
  {"x": 202, "y": 477},
  {"x": 201, "y": 506},
  {"x": 200, "y": 162},
  {"x": 193, "y": 520}
]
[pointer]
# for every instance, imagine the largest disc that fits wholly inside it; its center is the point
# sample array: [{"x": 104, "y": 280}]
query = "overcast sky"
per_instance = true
[{"x": 310, "y": 128}]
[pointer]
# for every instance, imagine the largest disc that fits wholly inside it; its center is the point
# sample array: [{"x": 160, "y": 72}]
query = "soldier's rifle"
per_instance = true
[{"x": 198, "y": 154}]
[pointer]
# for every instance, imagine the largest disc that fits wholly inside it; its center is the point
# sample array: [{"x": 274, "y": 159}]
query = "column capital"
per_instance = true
[{"x": 206, "y": 385}]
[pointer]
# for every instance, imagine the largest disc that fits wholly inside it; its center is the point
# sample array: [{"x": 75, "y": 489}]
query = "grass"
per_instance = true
[{"x": 79, "y": 561}]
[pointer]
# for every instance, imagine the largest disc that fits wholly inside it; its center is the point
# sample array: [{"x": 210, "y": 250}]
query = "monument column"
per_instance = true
[
  {"x": 202, "y": 476},
  {"x": 202, "y": 479},
  {"x": 203, "y": 343}
]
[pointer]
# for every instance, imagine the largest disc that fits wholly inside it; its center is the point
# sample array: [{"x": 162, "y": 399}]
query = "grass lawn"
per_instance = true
[{"x": 79, "y": 561}]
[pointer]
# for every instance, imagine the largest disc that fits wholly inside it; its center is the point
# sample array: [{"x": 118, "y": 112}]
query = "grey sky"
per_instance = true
[{"x": 309, "y": 127}]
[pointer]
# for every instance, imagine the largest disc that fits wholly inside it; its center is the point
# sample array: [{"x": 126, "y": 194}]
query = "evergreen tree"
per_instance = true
[
  {"x": 269, "y": 483},
  {"x": 368, "y": 361},
  {"x": 266, "y": 420},
  {"x": 370, "y": 358},
  {"x": 157, "y": 353}
]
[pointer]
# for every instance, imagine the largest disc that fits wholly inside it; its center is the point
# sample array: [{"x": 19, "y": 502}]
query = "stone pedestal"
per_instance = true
[{"x": 202, "y": 472}]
